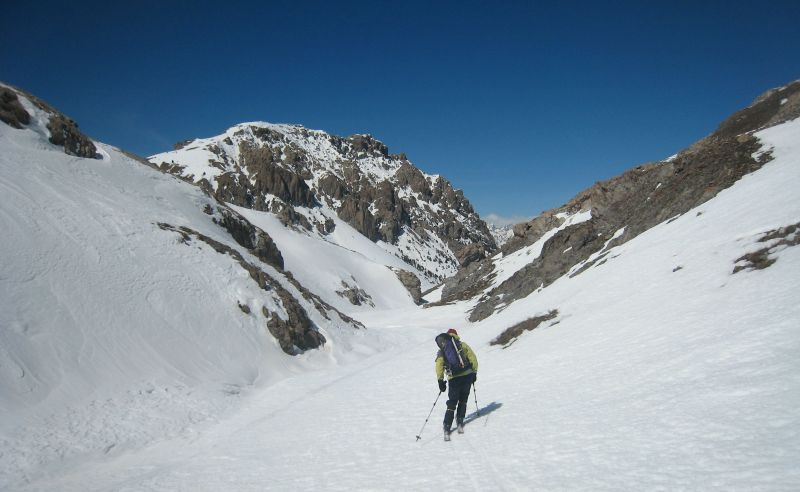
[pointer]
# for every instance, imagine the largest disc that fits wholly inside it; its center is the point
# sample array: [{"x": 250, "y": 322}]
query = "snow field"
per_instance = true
[
  {"x": 126, "y": 364},
  {"x": 321, "y": 263},
  {"x": 114, "y": 334},
  {"x": 652, "y": 379}
]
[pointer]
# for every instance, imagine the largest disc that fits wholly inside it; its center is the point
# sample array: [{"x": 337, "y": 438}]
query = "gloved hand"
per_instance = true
[
  {"x": 442, "y": 385},
  {"x": 475, "y": 377}
]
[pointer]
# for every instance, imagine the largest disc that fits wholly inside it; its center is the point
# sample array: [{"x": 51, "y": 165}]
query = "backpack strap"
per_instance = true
[{"x": 458, "y": 351}]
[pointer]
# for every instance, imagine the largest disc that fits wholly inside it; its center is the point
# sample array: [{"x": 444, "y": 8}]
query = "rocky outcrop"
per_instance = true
[
  {"x": 294, "y": 334},
  {"x": 11, "y": 111},
  {"x": 627, "y": 205},
  {"x": 270, "y": 178},
  {"x": 470, "y": 253},
  {"x": 411, "y": 283},
  {"x": 367, "y": 145},
  {"x": 356, "y": 295},
  {"x": 64, "y": 132},
  {"x": 297, "y": 333},
  {"x": 356, "y": 213},
  {"x": 252, "y": 238}
]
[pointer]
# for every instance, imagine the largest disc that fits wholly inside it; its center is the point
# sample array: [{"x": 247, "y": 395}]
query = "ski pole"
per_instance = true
[
  {"x": 475, "y": 394},
  {"x": 429, "y": 415}
]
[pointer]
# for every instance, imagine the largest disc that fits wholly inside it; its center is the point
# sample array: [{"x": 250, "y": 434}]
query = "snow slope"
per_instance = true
[
  {"x": 664, "y": 370},
  {"x": 115, "y": 333},
  {"x": 330, "y": 263}
]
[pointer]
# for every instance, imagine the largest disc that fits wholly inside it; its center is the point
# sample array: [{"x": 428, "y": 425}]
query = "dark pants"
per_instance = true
[{"x": 457, "y": 396}]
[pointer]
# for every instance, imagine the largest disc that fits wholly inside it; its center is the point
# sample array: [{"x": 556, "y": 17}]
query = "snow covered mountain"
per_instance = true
[
  {"x": 308, "y": 178},
  {"x": 572, "y": 238},
  {"x": 125, "y": 289},
  {"x": 502, "y": 234},
  {"x": 136, "y": 351}
]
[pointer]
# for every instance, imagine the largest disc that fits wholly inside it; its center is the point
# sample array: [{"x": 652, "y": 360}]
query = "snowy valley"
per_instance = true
[{"x": 244, "y": 313}]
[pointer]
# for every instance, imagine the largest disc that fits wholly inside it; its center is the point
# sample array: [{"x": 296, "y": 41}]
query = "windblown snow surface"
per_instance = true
[{"x": 663, "y": 370}]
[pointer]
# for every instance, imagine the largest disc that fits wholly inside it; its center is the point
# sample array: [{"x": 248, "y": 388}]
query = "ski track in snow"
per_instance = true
[{"x": 654, "y": 378}]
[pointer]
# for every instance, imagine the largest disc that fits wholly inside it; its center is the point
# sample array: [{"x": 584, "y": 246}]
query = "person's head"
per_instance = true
[{"x": 452, "y": 332}]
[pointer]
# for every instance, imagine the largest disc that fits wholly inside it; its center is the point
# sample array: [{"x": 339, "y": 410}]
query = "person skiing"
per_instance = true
[{"x": 458, "y": 362}]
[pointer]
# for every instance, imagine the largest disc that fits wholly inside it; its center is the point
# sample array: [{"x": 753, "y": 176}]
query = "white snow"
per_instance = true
[
  {"x": 652, "y": 378},
  {"x": 506, "y": 266},
  {"x": 321, "y": 263},
  {"x": 113, "y": 333}
]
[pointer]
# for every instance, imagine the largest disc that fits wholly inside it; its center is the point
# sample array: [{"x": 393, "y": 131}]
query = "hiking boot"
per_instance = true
[
  {"x": 447, "y": 434},
  {"x": 461, "y": 428}
]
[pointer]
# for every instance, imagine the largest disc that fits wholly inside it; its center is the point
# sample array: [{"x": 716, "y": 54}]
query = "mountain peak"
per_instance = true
[{"x": 295, "y": 172}]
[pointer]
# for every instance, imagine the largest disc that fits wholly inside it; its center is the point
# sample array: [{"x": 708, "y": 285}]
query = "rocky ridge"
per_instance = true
[
  {"x": 623, "y": 207},
  {"x": 292, "y": 171}
]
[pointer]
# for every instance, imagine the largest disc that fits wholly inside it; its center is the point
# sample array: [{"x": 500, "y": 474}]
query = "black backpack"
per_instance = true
[{"x": 455, "y": 358}]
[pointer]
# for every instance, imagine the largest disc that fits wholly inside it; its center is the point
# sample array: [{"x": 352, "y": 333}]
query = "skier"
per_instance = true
[{"x": 456, "y": 360}]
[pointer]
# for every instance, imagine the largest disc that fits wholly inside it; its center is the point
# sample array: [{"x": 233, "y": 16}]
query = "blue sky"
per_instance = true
[{"x": 520, "y": 104}]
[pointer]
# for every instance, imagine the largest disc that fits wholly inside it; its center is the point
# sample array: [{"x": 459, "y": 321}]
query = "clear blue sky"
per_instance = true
[{"x": 521, "y": 104}]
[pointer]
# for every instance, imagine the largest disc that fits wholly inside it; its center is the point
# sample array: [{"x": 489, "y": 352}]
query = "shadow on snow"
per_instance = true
[{"x": 483, "y": 412}]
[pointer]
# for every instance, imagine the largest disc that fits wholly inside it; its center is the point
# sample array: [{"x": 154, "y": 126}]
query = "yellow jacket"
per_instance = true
[{"x": 473, "y": 359}]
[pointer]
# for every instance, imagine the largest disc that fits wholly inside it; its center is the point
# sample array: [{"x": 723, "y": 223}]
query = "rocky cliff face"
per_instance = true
[
  {"x": 623, "y": 207},
  {"x": 290, "y": 171}
]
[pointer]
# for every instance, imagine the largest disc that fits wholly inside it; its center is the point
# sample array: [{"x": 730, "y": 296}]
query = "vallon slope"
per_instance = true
[
  {"x": 307, "y": 177},
  {"x": 125, "y": 291},
  {"x": 569, "y": 239}
]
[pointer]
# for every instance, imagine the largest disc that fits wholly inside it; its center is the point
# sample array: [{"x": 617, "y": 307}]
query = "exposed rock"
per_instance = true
[
  {"x": 288, "y": 215},
  {"x": 332, "y": 187},
  {"x": 772, "y": 108},
  {"x": 296, "y": 334},
  {"x": 470, "y": 253},
  {"x": 356, "y": 295},
  {"x": 273, "y": 179},
  {"x": 366, "y": 144},
  {"x": 182, "y": 144},
  {"x": 411, "y": 283},
  {"x": 511, "y": 334},
  {"x": 252, "y": 238},
  {"x": 64, "y": 132},
  {"x": 468, "y": 282},
  {"x": 778, "y": 239},
  {"x": 11, "y": 111},
  {"x": 527, "y": 233},
  {"x": 323, "y": 307},
  {"x": 356, "y": 213}
]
